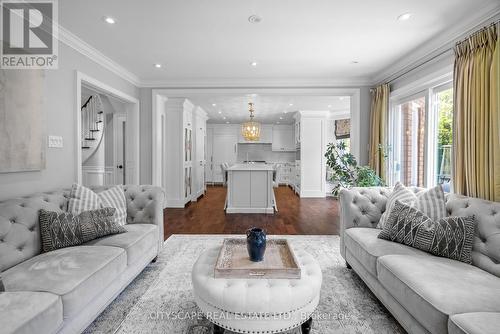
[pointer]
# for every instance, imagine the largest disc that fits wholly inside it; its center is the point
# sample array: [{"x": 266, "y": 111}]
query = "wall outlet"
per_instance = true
[{"x": 55, "y": 141}]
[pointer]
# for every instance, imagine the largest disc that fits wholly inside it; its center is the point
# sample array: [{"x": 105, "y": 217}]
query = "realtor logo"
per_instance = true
[{"x": 29, "y": 34}]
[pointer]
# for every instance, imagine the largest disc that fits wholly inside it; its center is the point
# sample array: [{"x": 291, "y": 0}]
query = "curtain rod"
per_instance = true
[{"x": 497, "y": 22}]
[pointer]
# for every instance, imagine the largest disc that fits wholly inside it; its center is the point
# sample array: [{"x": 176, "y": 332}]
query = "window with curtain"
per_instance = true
[{"x": 420, "y": 138}]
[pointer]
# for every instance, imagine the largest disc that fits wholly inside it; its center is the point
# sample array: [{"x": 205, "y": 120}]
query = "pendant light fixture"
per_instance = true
[{"x": 250, "y": 130}]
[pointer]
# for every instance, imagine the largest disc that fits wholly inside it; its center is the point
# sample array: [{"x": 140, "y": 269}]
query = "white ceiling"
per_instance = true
[
  {"x": 201, "y": 42},
  {"x": 268, "y": 109}
]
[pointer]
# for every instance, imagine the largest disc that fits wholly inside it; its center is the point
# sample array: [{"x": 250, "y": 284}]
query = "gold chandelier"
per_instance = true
[{"x": 250, "y": 130}]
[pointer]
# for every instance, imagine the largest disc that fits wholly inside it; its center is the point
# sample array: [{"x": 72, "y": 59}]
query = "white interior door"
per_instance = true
[
  {"x": 224, "y": 150},
  {"x": 119, "y": 154}
]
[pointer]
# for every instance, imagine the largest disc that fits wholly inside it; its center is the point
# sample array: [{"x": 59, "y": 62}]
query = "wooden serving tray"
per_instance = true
[{"x": 279, "y": 261}]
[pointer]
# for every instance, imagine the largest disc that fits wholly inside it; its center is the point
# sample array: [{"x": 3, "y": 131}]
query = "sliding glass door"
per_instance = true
[
  {"x": 420, "y": 138},
  {"x": 408, "y": 141}
]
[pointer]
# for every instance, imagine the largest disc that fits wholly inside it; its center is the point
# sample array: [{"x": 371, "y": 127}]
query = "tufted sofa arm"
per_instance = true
[
  {"x": 361, "y": 207},
  {"x": 144, "y": 206}
]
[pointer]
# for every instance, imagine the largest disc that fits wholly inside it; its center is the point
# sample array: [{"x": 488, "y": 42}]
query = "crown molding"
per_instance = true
[
  {"x": 439, "y": 44},
  {"x": 76, "y": 43},
  {"x": 257, "y": 83}
]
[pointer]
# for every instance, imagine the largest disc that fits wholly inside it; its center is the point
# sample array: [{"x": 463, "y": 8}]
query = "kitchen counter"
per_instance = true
[
  {"x": 250, "y": 188},
  {"x": 251, "y": 166}
]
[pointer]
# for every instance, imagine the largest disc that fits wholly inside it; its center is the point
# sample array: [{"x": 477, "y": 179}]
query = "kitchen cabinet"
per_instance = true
[
  {"x": 311, "y": 165},
  {"x": 297, "y": 133},
  {"x": 266, "y": 135},
  {"x": 222, "y": 142},
  {"x": 283, "y": 138},
  {"x": 179, "y": 151},
  {"x": 285, "y": 173}
]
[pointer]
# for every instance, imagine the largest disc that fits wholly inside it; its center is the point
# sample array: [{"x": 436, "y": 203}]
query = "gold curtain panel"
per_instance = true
[
  {"x": 378, "y": 139},
  {"x": 477, "y": 116}
]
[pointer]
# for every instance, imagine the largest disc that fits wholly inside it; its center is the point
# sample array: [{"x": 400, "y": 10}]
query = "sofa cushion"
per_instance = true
[
  {"x": 30, "y": 312},
  {"x": 77, "y": 274},
  {"x": 367, "y": 247},
  {"x": 449, "y": 237},
  {"x": 432, "y": 288},
  {"x": 64, "y": 229},
  {"x": 474, "y": 323},
  {"x": 430, "y": 201},
  {"x": 138, "y": 239}
]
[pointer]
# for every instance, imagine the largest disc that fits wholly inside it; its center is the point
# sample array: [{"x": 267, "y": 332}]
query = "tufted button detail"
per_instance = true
[
  {"x": 46, "y": 199},
  {"x": 466, "y": 205},
  {"x": 22, "y": 205},
  {"x": 32, "y": 228},
  {"x": 13, "y": 220},
  {"x": 20, "y": 248},
  {"x": 493, "y": 212}
]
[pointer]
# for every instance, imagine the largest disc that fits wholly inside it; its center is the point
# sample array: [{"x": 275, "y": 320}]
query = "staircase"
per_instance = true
[{"x": 92, "y": 115}]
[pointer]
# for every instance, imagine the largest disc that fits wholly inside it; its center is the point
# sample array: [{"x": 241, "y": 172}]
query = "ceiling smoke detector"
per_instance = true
[{"x": 254, "y": 19}]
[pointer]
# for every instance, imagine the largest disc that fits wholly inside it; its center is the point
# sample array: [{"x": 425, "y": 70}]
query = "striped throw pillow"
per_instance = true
[
  {"x": 431, "y": 202},
  {"x": 84, "y": 199}
]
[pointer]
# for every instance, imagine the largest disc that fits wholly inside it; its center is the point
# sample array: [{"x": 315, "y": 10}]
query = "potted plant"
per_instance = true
[{"x": 345, "y": 172}]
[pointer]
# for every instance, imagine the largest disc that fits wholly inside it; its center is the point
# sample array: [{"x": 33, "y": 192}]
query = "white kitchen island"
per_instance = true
[{"x": 250, "y": 189}]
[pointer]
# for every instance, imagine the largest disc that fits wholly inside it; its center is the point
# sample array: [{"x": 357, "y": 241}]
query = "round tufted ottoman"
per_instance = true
[{"x": 257, "y": 305}]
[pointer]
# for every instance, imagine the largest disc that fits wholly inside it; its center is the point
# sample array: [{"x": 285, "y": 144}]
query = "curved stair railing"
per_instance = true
[{"x": 92, "y": 115}]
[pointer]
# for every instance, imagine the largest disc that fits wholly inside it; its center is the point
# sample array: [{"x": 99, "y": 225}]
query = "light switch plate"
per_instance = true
[{"x": 55, "y": 141}]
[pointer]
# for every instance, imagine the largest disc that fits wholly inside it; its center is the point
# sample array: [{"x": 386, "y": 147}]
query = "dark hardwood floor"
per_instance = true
[{"x": 295, "y": 216}]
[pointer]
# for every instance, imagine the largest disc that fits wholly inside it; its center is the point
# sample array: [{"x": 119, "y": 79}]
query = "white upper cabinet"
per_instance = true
[
  {"x": 283, "y": 138},
  {"x": 266, "y": 135}
]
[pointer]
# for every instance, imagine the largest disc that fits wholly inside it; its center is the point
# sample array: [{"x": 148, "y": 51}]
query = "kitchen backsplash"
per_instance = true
[{"x": 263, "y": 152}]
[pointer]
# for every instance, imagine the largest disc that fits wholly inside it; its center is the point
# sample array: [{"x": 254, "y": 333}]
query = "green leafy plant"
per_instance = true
[{"x": 345, "y": 172}]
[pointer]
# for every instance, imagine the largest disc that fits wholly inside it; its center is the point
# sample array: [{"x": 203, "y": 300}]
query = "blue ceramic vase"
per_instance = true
[{"x": 256, "y": 244}]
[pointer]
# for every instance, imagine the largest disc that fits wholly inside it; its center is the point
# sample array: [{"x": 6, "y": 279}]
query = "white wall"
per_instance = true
[{"x": 59, "y": 107}]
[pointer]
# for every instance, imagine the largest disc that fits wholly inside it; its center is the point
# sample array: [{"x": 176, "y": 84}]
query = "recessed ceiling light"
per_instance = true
[
  {"x": 227, "y": 122},
  {"x": 109, "y": 19},
  {"x": 224, "y": 117},
  {"x": 281, "y": 117},
  {"x": 341, "y": 98},
  {"x": 291, "y": 104},
  {"x": 404, "y": 17},
  {"x": 214, "y": 104},
  {"x": 158, "y": 65},
  {"x": 254, "y": 18},
  {"x": 254, "y": 64},
  {"x": 220, "y": 112}
]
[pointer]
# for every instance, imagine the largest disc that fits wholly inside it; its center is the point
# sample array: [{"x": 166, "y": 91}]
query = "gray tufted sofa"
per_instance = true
[
  {"x": 425, "y": 293},
  {"x": 65, "y": 290}
]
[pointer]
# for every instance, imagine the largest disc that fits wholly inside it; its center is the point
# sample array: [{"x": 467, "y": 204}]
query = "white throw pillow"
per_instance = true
[
  {"x": 431, "y": 202},
  {"x": 84, "y": 199}
]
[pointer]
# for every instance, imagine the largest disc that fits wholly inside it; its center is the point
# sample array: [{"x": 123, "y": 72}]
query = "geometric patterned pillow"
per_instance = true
[
  {"x": 450, "y": 237},
  {"x": 84, "y": 199},
  {"x": 64, "y": 229}
]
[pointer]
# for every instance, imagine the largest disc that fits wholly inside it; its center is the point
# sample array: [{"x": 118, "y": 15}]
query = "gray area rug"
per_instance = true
[{"x": 160, "y": 299}]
